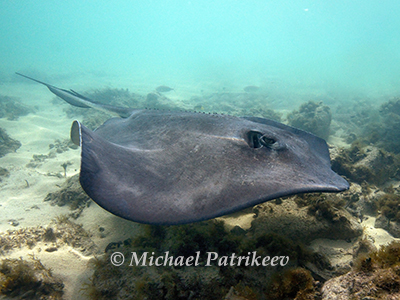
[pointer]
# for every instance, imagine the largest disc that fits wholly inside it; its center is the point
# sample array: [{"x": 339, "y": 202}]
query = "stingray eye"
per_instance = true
[
  {"x": 256, "y": 140},
  {"x": 266, "y": 141}
]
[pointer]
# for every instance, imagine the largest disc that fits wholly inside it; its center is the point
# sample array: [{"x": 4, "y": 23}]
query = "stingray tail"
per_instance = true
[
  {"x": 79, "y": 100},
  {"x": 38, "y": 81}
]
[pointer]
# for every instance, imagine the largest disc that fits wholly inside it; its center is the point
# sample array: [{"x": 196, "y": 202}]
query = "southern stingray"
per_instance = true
[{"x": 170, "y": 167}]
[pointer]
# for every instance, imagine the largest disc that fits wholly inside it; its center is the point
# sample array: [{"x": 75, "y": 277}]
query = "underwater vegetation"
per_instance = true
[
  {"x": 357, "y": 120},
  {"x": 112, "y": 96},
  {"x": 389, "y": 206},
  {"x": 115, "y": 96},
  {"x": 61, "y": 146},
  {"x": 312, "y": 117},
  {"x": 7, "y": 144},
  {"x": 21, "y": 279},
  {"x": 377, "y": 127},
  {"x": 159, "y": 101},
  {"x": 262, "y": 113},
  {"x": 326, "y": 208},
  {"x": 387, "y": 135},
  {"x": 236, "y": 104},
  {"x": 388, "y": 256},
  {"x": 361, "y": 163},
  {"x": 3, "y": 173},
  {"x": 307, "y": 217},
  {"x": 212, "y": 282},
  {"x": 59, "y": 232},
  {"x": 12, "y": 109},
  {"x": 321, "y": 205},
  {"x": 374, "y": 169},
  {"x": 55, "y": 148},
  {"x": 71, "y": 194},
  {"x": 375, "y": 275},
  {"x": 296, "y": 283}
]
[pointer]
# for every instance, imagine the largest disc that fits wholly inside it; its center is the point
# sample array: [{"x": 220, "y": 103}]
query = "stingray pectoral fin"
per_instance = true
[{"x": 112, "y": 175}]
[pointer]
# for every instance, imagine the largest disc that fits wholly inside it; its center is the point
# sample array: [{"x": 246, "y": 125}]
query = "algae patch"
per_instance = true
[
  {"x": 212, "y": 282},
  {"x": 12, "y": 109},
  {"x": 374, "y": 276},
  {"x": 59, "y": 232},
  {"x": 312, "y": 117},
  {"x": 7, "y": 144},
  {"x": 72, "y": 195},
  {"x": 28, "y": 279}
]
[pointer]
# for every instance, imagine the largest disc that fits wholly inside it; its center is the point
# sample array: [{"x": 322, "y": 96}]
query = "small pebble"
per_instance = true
[
  {"x": 13, "y": 222},
  {"x": 51, "y": 249}
]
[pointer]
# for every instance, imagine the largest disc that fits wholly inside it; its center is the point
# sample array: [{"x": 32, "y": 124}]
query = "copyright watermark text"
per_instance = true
[{"x": 146, "y": 259}]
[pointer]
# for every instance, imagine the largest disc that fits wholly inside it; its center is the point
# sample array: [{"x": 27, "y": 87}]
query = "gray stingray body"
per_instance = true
[{"x": 163, "y": 167}]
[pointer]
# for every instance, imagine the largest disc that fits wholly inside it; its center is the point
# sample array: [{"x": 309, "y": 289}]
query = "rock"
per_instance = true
[
  {"x": 363, "y": 247},
  {"x": 232, "y": 295},
  {"x": 296, "y": 223},
  {"x": 360, "y": 285},
  {"x": 312, "y": 117},
  {"x": 13, "y": 222},
  {"x": 374, "y": 276},
  {"x": 339, "y": 254},
  {"x": 392, "y": 227},
  {"x": 361, "y": 200},
  {"x": 159, "y": 101},
  {"x": 366, "y": 164},
  {"x": 152, "y": 100}
]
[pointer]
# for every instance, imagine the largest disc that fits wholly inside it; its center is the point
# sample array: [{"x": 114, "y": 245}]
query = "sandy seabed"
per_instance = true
[{"x": 23, "y": 191}]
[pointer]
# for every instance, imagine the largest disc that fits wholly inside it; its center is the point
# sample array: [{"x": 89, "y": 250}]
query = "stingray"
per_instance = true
[{"x": 176, "y": 167}]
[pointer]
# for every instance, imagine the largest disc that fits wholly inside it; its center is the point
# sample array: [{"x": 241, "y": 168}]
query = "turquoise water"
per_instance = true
[{"x": 335, "y": 47}]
